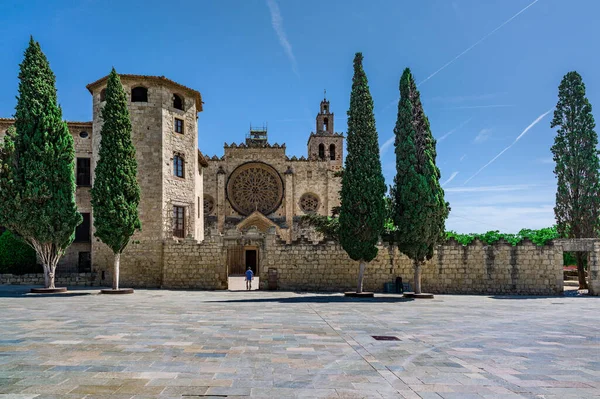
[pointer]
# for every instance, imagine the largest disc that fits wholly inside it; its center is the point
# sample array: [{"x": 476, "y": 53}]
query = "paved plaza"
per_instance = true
[{"x": 174, "y": 344}]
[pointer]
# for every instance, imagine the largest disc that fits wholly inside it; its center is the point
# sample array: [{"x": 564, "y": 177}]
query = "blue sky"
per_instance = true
[{"x": 488, "y": 69}]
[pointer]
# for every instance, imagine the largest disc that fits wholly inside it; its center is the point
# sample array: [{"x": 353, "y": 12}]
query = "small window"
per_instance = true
[
  {"x": 102, "y": 95},
  {"x": 178, "y": 166},
  {"x": 178, "y": 125},
  {"x": 332, "y": 152},
  {"x": 83, "y": 172},
  {"x": 82, "y": 232},
  {"x": 177, "y": 102},
  {"x": 85, "y": 262},
  {"x": 84, "y": 135},
  {"x": 139, "y": 95},
  {"x": 321, "y": 151},
  {"x": 179, "y": 221},
  {"x": 325, "y": 124}
]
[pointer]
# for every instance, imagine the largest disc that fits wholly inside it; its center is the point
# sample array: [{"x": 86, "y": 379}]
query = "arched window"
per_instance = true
[
  {"x": 103, "y": 95},
  {"x": 325, "y": 124},
  {"x": 139, "y": 95},
  {"x": 321, "y": 151},
  {"x": 178, "y": 165},
  {"x": 332, "y": 152},
  {"x": 177, "y": 102}
]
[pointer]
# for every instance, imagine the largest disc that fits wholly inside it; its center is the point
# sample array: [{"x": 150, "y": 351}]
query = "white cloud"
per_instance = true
[
  {"x": 476, "y": 43},
  {"x": 483, "y": 136},
  {"x": 532, "y": 124},
  {"x": 507, "y": 219},
  {"x": 277, "y": 23},
  {"x": 452, "y": 176},
  {"x": 500, "y": 188},
  {"x": 445, "y": 136},
  {"x": 482, "y": 106},
  {"x": 462, "y": 158},
  {"x": 384, "y": 147}
]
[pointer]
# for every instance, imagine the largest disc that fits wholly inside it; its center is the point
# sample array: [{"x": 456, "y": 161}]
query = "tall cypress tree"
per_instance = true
[
  {"x": 116, "y": 193},
  {"x": 362, "y": 212},
  {"x": 37, "y": 175},
  {"x": 577, "y": 208},
  {"x": 420, "y": 209}
]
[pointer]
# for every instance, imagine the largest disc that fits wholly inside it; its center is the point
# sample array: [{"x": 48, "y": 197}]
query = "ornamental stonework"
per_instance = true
[
  {"x": 255, "y": 186},
  {"x": 309, "y": 203}
]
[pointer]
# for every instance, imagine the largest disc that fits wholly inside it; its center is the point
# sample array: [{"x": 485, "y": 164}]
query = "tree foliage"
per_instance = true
[
  {"x": 362, "y": 213},
  {"x": 37, "y": 166},
  {"x": 116, "y": 193},
  {"x": 538, "y": 237},
  {"x": 577, "y": 208},
  {"x": 420, "y": 208},
  {"x": 16, "y": 257}
]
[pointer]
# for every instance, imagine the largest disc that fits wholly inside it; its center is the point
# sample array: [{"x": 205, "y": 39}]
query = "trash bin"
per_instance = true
[
  {"x": 399, "y": 287},
  {"x": 388, "y": 287}
]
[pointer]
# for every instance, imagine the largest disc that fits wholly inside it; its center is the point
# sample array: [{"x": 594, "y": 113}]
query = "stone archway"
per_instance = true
[{"x": 592, "y": 247}]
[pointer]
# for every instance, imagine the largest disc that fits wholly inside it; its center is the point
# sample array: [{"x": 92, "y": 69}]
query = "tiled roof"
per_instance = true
[
  {"x": 202, "y": 160},
  {"x": 161, "y": 79}
]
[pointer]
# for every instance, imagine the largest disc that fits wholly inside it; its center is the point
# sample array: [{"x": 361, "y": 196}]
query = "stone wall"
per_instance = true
[
  {"x": 304, "y": 265},
  {"x": 189, "y": 265},
  {"x": 61, "y": 280}
]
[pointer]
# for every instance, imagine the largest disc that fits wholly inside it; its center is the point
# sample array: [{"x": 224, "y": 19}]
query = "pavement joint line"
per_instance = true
[{"x": 357, "y": 352}]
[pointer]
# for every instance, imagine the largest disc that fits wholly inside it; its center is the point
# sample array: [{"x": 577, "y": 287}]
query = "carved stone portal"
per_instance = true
[{"x": 255, "y": 186}]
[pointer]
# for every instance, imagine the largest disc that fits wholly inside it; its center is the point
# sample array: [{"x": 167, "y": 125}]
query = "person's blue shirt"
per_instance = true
[{"x": 249, "y": 274}]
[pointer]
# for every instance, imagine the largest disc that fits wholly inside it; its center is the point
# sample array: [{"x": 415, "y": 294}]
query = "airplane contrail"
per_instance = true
[
  {"x": 476, "y": 43},
  {"x": 532, "y": 124}
]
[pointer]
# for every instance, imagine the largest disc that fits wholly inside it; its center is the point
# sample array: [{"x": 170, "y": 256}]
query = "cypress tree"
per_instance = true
[
  {"x": 420, "y": 209},
  {"x": 37, "y": 176},
  {"x": 362, "y": 212},
  {"x": 577, "y": 208},
  {"x": 116, "y": 193}
]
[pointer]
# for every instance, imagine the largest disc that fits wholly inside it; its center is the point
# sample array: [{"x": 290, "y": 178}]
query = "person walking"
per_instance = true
[{"x": 249, "y": 278}]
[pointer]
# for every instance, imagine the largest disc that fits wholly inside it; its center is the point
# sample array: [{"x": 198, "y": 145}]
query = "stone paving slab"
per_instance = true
[{"x": 178, "y": 344}]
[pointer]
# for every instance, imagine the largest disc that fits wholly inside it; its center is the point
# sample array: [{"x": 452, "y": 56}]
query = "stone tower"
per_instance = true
[
  {"x": 325, "y": 144},
  {"x": 165, "y": 135}
]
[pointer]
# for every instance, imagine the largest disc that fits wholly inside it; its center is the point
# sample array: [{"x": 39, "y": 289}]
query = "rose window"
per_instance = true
[
  {"x": 209, "y": 204},
  {"x": 309, "y": 203},
  {"x": 253, "y": 187}
]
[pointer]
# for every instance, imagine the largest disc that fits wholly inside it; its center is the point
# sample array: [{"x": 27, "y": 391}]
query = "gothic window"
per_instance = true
[
  {"x": 209, "y": 204},
  {"x": 309, "y": 203},
  {"x": 178, "y": 125},
  {"x": 179, "y": 221},
  {"x": 332, "y": 152},
  {"x": 82, "y": 232},
  {"x": 139, "y": 95},
  {"x": 178, "y": 165},
  {"x": 177, "y": 102},
  {"x": 103, "y": 95},
  {"x": 83, "y": 172},
  {"x": 255, "y": 186},
  {"x": 321, "y": 151}
]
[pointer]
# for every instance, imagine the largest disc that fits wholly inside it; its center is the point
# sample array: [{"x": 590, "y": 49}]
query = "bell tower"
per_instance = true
[
  {"x": 325, "y": 144},
  {"x": 324, "y": 118}
]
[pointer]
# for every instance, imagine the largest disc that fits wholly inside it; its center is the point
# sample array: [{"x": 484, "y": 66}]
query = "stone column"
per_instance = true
[
  {"x": 220, "y": 199},
  {"x": 594, "y": 270},
  {"x": 289, "y": 202}
]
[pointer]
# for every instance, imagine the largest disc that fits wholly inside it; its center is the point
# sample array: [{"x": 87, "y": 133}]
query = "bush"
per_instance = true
[{"x": 16, "y": 257}]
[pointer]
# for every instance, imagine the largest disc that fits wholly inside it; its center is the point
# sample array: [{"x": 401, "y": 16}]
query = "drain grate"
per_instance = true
[{"x": 385, "y": 338}]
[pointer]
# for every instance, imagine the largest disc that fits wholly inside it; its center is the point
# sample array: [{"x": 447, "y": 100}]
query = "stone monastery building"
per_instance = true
[
  {"x": 184, "y": 193},
  {"x": 206, "y": 219}
]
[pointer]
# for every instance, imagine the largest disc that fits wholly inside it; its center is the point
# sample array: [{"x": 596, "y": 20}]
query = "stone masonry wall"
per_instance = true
[
  {"x": 324, "y": 266},
  {"x": 61, "y": 280},
  {"x": 189, "y": 265}
]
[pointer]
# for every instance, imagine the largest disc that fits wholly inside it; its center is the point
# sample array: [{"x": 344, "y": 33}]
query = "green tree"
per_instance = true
[
  {"x": 577, "y": 208},
  {"x": 420, "y": 209},
  {"x": 116, "y": 193},
  {"x": 362, "y": 212},
  {"x": 37, "y": 162},
  {"x": 16, "y": 257}
]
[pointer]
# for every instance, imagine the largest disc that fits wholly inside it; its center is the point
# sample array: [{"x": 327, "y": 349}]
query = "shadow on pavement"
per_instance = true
[
  {"x": 319, "y": 299},
  {"x": 23, "y": 291}
]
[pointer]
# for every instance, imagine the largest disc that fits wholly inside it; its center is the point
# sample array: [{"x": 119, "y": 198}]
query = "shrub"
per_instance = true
[{"x": 16, "y": 257}]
